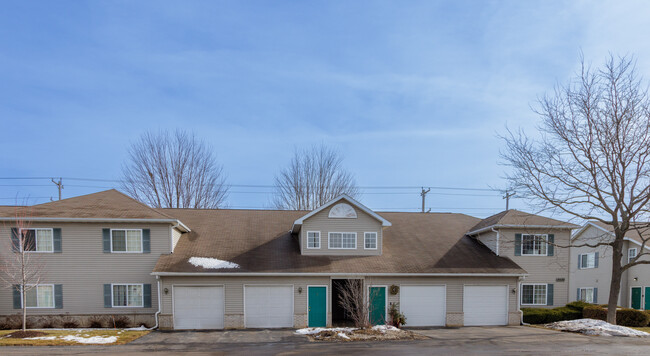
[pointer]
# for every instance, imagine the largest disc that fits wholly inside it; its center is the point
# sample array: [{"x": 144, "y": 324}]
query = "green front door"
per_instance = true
[
  {"x": 317, "y": 307},
  {"x": 636, "y": 297},
  {"x": 647, "y": 299},
  {"x": 377, "y": 305}
]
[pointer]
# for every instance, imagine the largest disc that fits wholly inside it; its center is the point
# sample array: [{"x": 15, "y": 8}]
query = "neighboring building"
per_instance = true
[
  {"x": 211, "y": 269},
  {"x": 530, "y": 241},
  {"x": 591, "y": 268}
]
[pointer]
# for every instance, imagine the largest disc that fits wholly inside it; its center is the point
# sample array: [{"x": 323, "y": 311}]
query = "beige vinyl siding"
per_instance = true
[
  {"x": 489, "y": 239},
  {"x": 321, "y": 222},
  {"x": 640, "y": 272},
  {"x": 542, "y": 269},
  {"x": 83, "y": 268}
]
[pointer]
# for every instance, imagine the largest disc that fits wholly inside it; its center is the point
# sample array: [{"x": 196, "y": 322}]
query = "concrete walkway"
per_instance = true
[{"x": 469, "y": 340}]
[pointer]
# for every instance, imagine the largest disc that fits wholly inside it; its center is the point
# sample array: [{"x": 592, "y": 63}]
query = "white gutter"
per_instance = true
[
  {"x": 524, "y": 226},
  {"x": 260, "y": 274},
  {"x": 159, "y": 303},
  {"x": 497, "y": 231},
  {"x": 110, "y": 220}
]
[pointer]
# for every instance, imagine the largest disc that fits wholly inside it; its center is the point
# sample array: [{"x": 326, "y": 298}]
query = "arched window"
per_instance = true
[{"x": 343, "y": 210}]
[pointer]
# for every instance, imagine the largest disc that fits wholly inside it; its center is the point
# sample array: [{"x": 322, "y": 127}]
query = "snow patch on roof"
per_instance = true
[{"x": 211, "y": 263}]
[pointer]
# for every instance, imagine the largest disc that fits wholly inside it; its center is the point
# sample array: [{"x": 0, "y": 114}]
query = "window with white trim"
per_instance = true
[
  {"x": 533, "y": 294},
  {"x": 534, "y": 245},
  {"x": 38, "y": 240},
  {"x": 127, "y": 295},
  {"x": 370, "y": 240},
  {"x": 587, "y": 295},
  {"x": 343, "y": 240},
  {"x": 126, "y": 240},
  {"x": 313, "y": 239},
  {"x": 588, "y": 260},
  {"x": 631, "y": 254},
  {"x": 40, "y": 296}
]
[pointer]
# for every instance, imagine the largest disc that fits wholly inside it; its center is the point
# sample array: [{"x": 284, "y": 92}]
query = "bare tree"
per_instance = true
[
  {"x": 20, "y": 269},
  {"x": 357, "y": 301},
  {"x": 592, "y": 159},
  {"x": 314, "y": 177},
  {"x": 174, "y": 170}
]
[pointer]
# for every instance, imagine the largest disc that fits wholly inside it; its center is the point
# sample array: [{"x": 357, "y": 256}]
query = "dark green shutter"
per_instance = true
[
  {"x": 578, "y": 297},
  {"x": 146, "y": 241},
  {"x": 517, "y": 244},
  {"x": 595, "y": 295},
  {"x": 17, "y": 297},
  {"x": 596, "y": 261},
  {"x": 580, "y": 261},
  {"x": 58, "y": 296},
  {"x": 108, "y": 303},
  {"x": 146, "y": 294},
  {"x": 550, "y": 248},
  {"x": 549, "y": 294},
  {"x": 106, "y": 238},
  {"x": 15, "y": 241},
  {"x": 56, "y": 239}
]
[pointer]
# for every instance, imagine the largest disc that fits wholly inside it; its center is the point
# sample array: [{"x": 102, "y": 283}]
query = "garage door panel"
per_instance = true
[
  {"x": 485, "y": 305},
  {"x": 268, "y": 306},
  {"x": 423, "y": 305},
  {"x": 198, "y": 307}
]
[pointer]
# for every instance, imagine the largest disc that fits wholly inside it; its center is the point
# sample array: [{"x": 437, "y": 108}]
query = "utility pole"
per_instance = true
[
  {"x": 59, "y": 185},
  {"x": 507, "y": 198},
  {"x": 423, "y": 194}
]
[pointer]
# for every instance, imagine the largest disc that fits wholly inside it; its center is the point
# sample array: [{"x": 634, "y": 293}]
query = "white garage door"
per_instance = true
[
  {"x": 423, "y": 305},
  {"x": 198, "y": 307},
  {"x": 268, "y": 306},
  {"x": 485, "y": 305}
]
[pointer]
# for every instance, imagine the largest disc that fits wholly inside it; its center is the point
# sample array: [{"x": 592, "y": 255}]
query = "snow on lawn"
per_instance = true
[
  {"x": 211, "y": 263},
  {"x": 311, "y": 331},
  {"x": 384, "y": 328},
  {"x": 595, "y": 327},
  {"x": 90, "y": 340}
]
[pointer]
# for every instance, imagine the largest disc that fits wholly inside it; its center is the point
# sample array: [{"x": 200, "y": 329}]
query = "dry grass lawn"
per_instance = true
[
  {"x": 55, "y": 337},
  {"x": 646, "y": 329}
]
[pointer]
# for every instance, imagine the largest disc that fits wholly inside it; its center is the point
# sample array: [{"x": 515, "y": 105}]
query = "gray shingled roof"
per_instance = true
[{"x": 519, "y": 218}]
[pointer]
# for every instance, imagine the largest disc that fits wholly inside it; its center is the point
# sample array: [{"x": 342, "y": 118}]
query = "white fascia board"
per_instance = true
[
  {"x": 273, "y": 274},
  {"x": 108, "y": 220},
  {"x": 501, "y": 226},
  {"x": 383, "y": 221}
]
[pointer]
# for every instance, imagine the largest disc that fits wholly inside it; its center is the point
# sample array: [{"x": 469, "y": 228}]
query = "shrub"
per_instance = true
[
  {"x": 50, "y": 322},
  {"x": 579, "y": 305},
  {"x": 96, "y": 321},
  {"x": 70, "y": 322},
  {"x": 624, "y": 316},
  {"x": 545, "y": 316},
  {"x": 12, "y": 322},
  {"x": 121, "y": 322},
  {"x": 396, "y": 318}
]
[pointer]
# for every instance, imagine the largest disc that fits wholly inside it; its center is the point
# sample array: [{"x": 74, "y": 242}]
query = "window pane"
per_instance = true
[
  {"x": 44, "y": 240},
  {"x": 119, "y": 296},
  {"x": 526, "y": 294},
  {"x": 591, "y": 260},
  {"x": 589, "y": 295},
  {"x": 540, "y": 295},
  {"x": 119, "y": 240},
  {"x": 135, "y": 295},
  {"x": 29, "y": 240},
  {"x": 541, "y": 245},
  {"x": 45, "y": 297},
  {"x": 313, "y": 240},
  {"x": 133, "y": 241},
  {"x": 348, "y": 240},
  {"x": 370, "y": 240},
  {"x": 527, "y": 245},
  {"x": 31, "y": 297},
  {"x": 336, "y": 240}
]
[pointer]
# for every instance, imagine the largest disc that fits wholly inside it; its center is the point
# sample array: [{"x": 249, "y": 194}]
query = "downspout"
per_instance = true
[
  {"x": 159, "y": 303},
  {"x": 497, "y": 231}
]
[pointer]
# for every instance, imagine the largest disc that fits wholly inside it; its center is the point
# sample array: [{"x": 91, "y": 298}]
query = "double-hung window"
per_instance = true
[
  {"x": 370, "y": 240},
  {"x": 588, "y": 260},
  {"x": 534, "y": 245},
  {"x": 313, "y": 239},
  {"x": 533, "y": 294},
  {"x": 38, "y": 240},
  {"x": 587, "y": 295},
  {"x": 127, "y": 295},
  {"x": 40, "y": 296},
  {"x": 631, "y": 254},
  {"x": 343, "y": 240},
  {"x": 126, "y": 240}
]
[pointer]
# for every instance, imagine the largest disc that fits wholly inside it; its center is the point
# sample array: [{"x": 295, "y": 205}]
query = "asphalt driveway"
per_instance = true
[{"x": 470, "y": 340}]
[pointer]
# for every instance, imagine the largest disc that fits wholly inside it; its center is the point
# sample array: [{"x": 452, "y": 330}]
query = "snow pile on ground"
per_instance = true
[
  {"x": 343, "y": 336},
  {"x": 312, "y": 331},
  {"x": 595, "y": 327},
  {"x": 211, "y": 263},
  {"x": 384, "y": 328},
  {"x": 41, "y": 338},
  {"x": 90, "y": 340},
  {"x": 139, "y": 328}
]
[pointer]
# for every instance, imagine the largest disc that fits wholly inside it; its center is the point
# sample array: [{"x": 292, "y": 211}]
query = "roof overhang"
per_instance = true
[
  {"x": 363, "y": 208},
  {"x": 591, "y": 224},
  {"x": 506, "y": 226},
  {"x": 177, "y": 222},
  {"x": 295, "y": 274}
]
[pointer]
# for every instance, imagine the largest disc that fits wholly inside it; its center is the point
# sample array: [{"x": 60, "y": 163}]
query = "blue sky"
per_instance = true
[{"x": 411, "y": 92}]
